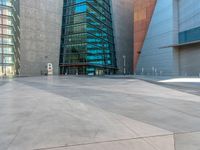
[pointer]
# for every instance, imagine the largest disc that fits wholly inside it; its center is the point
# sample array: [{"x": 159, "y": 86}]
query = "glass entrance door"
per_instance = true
[{"x": 7, "y": 71}]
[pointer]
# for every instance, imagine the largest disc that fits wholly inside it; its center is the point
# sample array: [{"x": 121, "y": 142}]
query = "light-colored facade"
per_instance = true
[
  {"x": 189, "y": 55},
  {"x": 123, "y": 33},
  {"x": 40, "y": 22},
  {"x": 170, "y": 47},
  {"x": 154, "y": 57}
]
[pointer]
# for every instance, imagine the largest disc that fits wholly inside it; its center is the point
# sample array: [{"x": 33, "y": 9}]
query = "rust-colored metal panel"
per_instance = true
[{"x": 143, "y": 11}]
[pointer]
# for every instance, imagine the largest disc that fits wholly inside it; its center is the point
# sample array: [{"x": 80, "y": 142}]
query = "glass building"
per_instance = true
[
  {"x": 87, "y": 42},
  {"x": 9, "y": 37}
]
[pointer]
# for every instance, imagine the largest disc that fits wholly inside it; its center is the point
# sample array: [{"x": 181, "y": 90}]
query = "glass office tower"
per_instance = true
[
  {"x": 9, "y": 37},
  {"x": 87, "y": 43}
]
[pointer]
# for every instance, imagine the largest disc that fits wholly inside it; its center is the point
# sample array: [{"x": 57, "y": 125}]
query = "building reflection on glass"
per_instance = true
[
  {"x": 9, "y": 38},
  {"x": 87, "y": 44}
]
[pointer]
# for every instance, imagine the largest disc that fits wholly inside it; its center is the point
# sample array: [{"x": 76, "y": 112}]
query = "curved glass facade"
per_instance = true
[
  {"x": 87, "y": 43},
  {"x": 9, "y": 38}
]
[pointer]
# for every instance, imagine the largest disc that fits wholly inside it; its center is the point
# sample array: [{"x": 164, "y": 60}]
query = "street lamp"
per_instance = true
[{"x": 124, "y": 58}]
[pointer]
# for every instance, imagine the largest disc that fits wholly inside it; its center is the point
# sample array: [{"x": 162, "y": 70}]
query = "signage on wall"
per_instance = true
[{"x": 50, "y": 68}]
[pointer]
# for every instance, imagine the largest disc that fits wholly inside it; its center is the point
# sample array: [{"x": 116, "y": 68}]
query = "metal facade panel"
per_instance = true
[{"x": 143, "y": 11}]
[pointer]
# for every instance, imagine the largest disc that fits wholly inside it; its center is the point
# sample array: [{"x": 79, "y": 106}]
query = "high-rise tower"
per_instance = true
[
  {"x": 9, "y": 37},
  {"x": 87, "y": 43}
]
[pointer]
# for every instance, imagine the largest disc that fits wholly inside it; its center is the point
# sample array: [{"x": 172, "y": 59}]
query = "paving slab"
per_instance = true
[
  {"x": 187, "y": 141},
  {"x": 152, "y": 143},
  {"x": 79, "y": 113}
]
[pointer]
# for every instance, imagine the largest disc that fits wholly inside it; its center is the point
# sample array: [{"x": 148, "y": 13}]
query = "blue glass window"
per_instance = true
[
  {"x": 81, "y": 8},
  {"x": 189, "y": 35}
]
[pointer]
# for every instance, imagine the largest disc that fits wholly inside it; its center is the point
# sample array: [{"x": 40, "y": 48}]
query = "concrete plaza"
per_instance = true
[{"x": 90, "y": 113}]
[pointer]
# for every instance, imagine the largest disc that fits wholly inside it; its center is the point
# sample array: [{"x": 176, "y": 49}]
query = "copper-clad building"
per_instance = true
[
  {"x": 166, "y": 38},
  {"x": 143, "y": 10}
]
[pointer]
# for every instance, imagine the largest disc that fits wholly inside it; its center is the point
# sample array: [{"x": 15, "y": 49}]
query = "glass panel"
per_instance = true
[
  {"x": 189, "y": 35},
  {"x": 87, "y": 43},
  {"x": 9, "y": 37}
]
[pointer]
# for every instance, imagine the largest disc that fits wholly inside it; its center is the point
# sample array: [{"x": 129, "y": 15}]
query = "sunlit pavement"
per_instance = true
[
  {"x": 189, "y": 85},
  {"x": 90, "y": 113},
  {"x": 183, "y": 80}
]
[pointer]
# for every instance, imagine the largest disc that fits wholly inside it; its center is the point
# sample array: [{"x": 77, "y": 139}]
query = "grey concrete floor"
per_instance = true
[
  {"x": 191, "y": 88},
  {"x": 90, "y": 113}
]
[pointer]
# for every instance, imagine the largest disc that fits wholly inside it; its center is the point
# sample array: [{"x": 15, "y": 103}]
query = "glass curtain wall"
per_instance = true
[
  {"x": 87, "y": 43},
  {"x": 9, "y": 37}
]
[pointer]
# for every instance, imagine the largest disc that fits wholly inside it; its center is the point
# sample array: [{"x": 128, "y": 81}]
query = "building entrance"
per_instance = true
[{"x": 7, "y": 71}]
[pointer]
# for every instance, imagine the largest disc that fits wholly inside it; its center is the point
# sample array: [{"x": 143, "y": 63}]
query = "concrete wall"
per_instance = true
[
  {"x": 122, "y": 11},
  {"x": 154, "y": 58},
  {"x": 189, "y": 17},
  {"x": 190, "y": 60},
  {"x": 40, "y": 35}
]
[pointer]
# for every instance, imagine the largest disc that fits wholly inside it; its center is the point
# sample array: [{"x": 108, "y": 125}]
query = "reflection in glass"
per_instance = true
[
  {"x": 9, "y": 37},
  {"x": 87, "y": 44}
]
